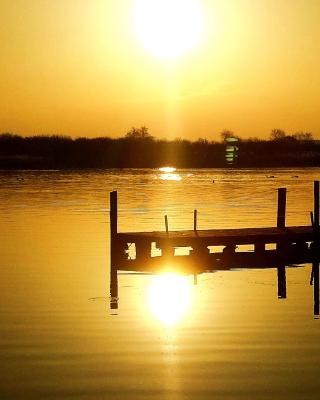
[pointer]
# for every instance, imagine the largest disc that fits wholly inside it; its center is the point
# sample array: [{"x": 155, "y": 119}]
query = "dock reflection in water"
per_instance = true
[{"x": 170, "y": 294}]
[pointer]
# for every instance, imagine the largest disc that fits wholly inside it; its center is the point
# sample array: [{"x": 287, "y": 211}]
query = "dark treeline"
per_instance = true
[{"x": 138, "y": 149}]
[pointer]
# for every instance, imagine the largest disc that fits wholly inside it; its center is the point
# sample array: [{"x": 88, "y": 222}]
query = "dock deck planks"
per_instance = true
[{"x": 222, "y": 236}]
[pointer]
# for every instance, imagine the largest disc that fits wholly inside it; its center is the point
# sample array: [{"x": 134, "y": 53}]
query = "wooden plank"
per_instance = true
[
  {"x": 221, "y": 237},
  {"x": 246, "y": 235}
]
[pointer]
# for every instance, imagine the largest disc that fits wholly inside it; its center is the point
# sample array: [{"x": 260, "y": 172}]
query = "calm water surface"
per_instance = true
[{"x": 227, "y": 338}]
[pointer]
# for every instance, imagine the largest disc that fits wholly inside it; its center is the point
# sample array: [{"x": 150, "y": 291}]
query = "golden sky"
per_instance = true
[{"x": 80, "y": 68}]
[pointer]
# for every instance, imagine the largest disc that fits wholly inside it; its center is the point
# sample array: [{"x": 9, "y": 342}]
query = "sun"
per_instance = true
[
  {"x": 168, "y": 28},
  {"x": 169, "y": 298}
]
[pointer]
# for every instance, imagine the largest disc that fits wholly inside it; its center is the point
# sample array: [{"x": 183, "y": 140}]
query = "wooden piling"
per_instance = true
[
  {"x": 259, "y": 248},
  {"x": 195, "y": 220},
  {"x": 166, "y": 223},
  {"x": 114, "y": 303},
  {"x": 113, "y": 244},
  {"x": 281, "y": 215},
  {"x": 282, "y": 283},
  {"x": 316, "y": 247},
  {"x": 313, "y": 228},
  {"x": 316, "y": 206},
  {"x": 281, "y": 223},
  {"x": 316, "y": 290},
  {"x": 311, "y": 218}
]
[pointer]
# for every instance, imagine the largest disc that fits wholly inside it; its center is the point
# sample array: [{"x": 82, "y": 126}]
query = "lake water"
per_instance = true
[{"x": 230, "y": 337}]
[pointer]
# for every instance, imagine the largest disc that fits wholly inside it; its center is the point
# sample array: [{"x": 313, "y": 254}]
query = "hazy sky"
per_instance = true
[{"x": 78, "y": 67}]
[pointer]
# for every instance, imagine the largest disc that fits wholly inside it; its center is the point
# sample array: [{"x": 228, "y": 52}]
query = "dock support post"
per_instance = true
[
  {"x": 113, "y": 248},
  {"x": 282, "y": 283},
  {"x": 316, "y": 206},
  {"x": 316, "y": 290},
  {"x": 259, "y": 248},
  {"x": 312, "y": 246},
  {"x": 195, "y": 220},
  {"x": 143, "y": 251},
  {"x": 281, "y": 223},
  {"x": 281, "y": 215},
  {"x": 316, "y": 248}
]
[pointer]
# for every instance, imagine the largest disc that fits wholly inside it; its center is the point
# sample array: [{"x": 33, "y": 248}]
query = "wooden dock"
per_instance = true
[
  {"x": 196, "y": 251},
  {"x": 290, "y": 245}
]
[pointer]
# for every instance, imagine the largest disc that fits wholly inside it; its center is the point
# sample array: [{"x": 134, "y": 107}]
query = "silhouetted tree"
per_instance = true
[
  {"x": 139, "y": 133},
  {"x": 307, "y": 136},
  {"x": 277, "y": 134},
  {"x": 226, "y": 134}
]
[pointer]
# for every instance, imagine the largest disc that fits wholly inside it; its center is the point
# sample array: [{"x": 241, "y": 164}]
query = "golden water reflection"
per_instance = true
[
  {"x": 169, "y": 174},
  {"x": 167, "y": 170},
  {"x": 170, "y": 177},
  {"x": 170, "y": 298}
]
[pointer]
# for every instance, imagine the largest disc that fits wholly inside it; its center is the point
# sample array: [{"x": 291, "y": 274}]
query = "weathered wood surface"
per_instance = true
[
  {"x": 201, "y": 259},
  {"x": 222, "y": 236}
]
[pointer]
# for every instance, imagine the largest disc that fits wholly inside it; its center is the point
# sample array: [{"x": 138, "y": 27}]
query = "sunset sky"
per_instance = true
[{"x": 190, "y": 69}]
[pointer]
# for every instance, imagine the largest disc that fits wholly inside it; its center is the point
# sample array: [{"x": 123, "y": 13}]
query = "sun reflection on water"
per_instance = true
[
  {"x": 168, "y": 170},
  {"x": 169, "y": 298},
  {"x": 170, "y": 177},
  {"x": 169, "y": 174}
]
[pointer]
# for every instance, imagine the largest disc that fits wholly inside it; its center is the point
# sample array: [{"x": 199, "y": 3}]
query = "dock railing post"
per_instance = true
[
  {"x": 113, "y": 244},
  {"x": 195, "y": 220},
  {"x": 316, "y": 247},
  {"x": 167, "y": 251},
  {"x": 281, "y": 223},
  {"x": 166, "y": 224}
]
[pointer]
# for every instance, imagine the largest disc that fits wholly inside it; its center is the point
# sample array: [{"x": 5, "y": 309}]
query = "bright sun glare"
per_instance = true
[
  {"x": 168, "y": 28},
  {"x": 169, "y": 297},
  {"x": 167, "y": 170}
]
